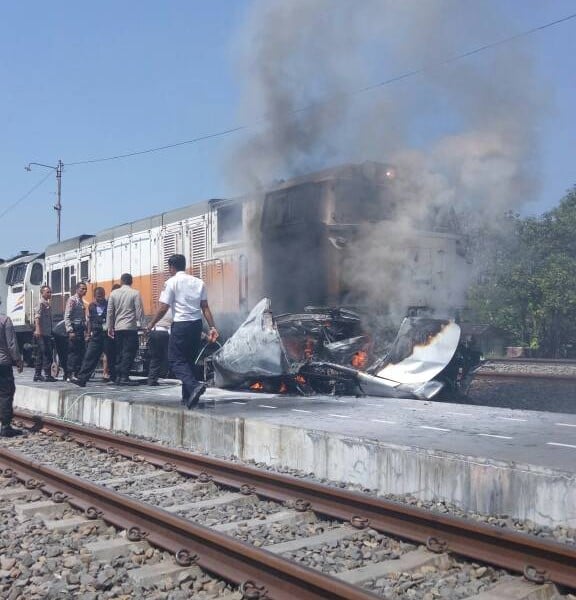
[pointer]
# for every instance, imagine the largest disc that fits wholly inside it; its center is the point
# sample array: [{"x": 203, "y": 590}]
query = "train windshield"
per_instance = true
[{"x": 16, "y": 274}]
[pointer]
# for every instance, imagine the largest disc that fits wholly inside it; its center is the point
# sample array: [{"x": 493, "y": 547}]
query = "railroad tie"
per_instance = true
[
  {"x": 43, "y": 508},
  {"x": 407, "y": 562},
  {"x": 107, "y": 550},
  {"x": 116, "y": 481},
  {"x": 188, "y": 487},
  {"x": 72, "y": 523},
  {"x": 17, "y": 492},
  {"x": 212, "y": 502},
  {"x": 518, "y": 589},
  {"x": 289, "y": 517},
  {"x": 335, "y": 535},
  {"x": 165, "y": 570}
]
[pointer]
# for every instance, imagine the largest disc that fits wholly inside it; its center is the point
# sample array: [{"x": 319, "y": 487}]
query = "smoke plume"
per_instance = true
[{"x": 461, "y": 134}]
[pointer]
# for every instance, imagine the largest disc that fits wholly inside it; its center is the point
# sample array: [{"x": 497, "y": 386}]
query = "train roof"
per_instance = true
[
  {"x": 165, "y": 218},
  {"x": 367, "y": 169},
  {"x": 23, "y": 257},
  {"x": 69, "y": 244},
  {"x": 375, "y": 171}
]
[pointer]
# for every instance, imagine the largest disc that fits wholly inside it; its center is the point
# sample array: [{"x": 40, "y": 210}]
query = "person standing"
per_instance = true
[
  {"x": 125, "y": 316},
  {"x": 61, "y": 343},
  {"x": 186, "y": 296},
  {"x": 158, "y": 341},
  {"x": 75, "y": 323},
  {"x": 98, "y": 342},
  {"x": 43, "y": 336},
  {"x": 9, "y": 356}
]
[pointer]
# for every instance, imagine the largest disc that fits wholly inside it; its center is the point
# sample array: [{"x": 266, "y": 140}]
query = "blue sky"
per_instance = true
[{"x": 87, "y": 80}]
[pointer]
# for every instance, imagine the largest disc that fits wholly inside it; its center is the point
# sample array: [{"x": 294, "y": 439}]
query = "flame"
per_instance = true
[
  {"x": 283, "y": 388},
  {"x": 359, "y": 359},
  {"x": 300, "y": 379},
  {"x": 309, "y": 349},
  {"x": 257, "y": 387}
]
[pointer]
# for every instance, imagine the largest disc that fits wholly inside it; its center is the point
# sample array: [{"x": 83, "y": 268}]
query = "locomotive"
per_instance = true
[
  {"x": 288, "y": 243},
  {"x": 21, "y": 278}
]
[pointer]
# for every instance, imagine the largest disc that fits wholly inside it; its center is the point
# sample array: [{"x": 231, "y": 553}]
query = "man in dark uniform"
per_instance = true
[
  {"x": 99, "y": 342},
  {"x": 75, "y": 323},
  {"x": 158, "y": 341},
  {"x": 9, "y": 355},
  {"x": 43, "y": 336}
]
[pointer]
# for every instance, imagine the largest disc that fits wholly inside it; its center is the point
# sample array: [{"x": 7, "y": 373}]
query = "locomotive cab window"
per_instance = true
[
  {"x": 56, "y": 281},
  {"x": 37, "y": 274},
  {"x": 16, "y": 274},
  {"x": 229, "y": 223}
]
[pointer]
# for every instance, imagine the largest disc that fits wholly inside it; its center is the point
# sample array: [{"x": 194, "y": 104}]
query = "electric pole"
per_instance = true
[{"x": 58, "y": 206}]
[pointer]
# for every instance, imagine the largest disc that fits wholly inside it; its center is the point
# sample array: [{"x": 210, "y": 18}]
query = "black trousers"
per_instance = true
[
  {"x": 98, "y": 344},
  {"x": 183, "y": 349},
  {"x": 61, "y": 344},
  {"x": 7, "y": 391},
  {"x": 44, "y": 354},
  {"x": 158, "y": 351},
  {"x": 126, "y": 347},
  {"x": 76, "y": 350}
]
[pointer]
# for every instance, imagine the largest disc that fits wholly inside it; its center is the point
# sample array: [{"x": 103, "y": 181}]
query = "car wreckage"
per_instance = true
[{"x": 328, "y": 351}]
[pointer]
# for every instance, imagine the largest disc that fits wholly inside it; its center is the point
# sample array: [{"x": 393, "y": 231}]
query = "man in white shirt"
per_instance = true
[{"x": 186, "y": 296}]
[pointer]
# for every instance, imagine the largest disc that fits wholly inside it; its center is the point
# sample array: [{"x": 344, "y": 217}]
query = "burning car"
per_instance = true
[{"x": 328, "y": 351}]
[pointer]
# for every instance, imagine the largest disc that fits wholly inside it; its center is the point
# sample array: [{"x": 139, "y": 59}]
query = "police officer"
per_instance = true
[
  {"x": 75, "y": 323},
  {"x": 9, "y": 355},
  {"x": 98, "y": 340},
  {"x": 158, "y": 341},
  {"x": 43, "y": 336}
]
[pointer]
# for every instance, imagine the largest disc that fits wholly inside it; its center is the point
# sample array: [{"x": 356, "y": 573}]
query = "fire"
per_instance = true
[
  {"x": 359, "y": 359},
  {"x": 283, "y": 388},
  {"x": 309, "y": 349},
  {"x": 257, "y": 387},
  {"x": 299, "y": 379}
]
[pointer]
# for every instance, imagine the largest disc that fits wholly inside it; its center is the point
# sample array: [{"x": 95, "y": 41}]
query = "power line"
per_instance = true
[
  {"x": 159, "y": 148},
  {"x": 394, "y": 79},
  {"x": 456, "y": 57},
  {"x": 22, "y": 198}
]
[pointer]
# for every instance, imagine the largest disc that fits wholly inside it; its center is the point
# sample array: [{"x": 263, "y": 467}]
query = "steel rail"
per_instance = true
[
  {"x": 552, "y": 361},
  {"x": 508, "y": 375},
  {"x": 260, "y": 574},
  {"x": 539, "y": 560}
]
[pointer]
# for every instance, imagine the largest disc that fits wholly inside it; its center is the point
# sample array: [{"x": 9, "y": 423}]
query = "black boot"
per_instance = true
[
  {"x": 9, "y": 431},
  {"x": 194, "y": 396}
]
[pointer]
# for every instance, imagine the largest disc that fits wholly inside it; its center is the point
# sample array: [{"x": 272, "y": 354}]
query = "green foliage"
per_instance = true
[{"x": 529, "y": 286}]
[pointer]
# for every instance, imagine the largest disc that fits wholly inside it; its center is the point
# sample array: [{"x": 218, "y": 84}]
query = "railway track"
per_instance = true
[
  {"x": 541, "y": 368},
  {"x": 256, "y": 529}
]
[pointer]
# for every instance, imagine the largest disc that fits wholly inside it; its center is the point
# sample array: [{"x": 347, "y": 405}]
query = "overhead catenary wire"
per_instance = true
[
  {"x": 396, "y": 78},
  {"x": 22, "y": 198}
]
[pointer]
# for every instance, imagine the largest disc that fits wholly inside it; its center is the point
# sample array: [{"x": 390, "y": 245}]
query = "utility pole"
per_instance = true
[{"x": 58, "y": 206}]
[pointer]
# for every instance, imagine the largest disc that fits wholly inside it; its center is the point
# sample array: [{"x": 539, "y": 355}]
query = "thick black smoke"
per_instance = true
[{"x": 462, "y": 135}]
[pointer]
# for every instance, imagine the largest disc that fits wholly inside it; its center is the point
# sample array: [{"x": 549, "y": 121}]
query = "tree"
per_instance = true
[{"x": 529, "y": 288}]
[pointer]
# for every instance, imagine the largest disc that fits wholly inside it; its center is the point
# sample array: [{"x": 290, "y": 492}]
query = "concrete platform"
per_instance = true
[{"x": 490, "y": 460}]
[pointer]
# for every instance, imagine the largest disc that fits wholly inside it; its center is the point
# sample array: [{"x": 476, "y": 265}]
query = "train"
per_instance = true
[{"x": 288, "y": 243}]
